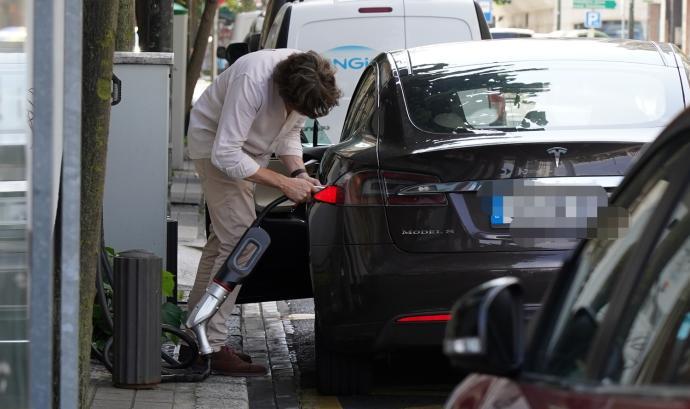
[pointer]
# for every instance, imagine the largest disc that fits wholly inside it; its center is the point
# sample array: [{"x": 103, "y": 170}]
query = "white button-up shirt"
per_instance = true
[{"x": 240, "y": 120}]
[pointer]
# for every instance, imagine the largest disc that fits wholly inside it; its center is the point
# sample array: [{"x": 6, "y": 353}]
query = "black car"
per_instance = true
[
  {"x": 408, "y": 222},
  {"x": 614, "y": 328}
]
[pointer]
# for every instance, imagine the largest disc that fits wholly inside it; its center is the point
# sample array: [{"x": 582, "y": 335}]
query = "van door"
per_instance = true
[
  {"x": 447, "y": 21},
  {"x": 349, "y": 34}
]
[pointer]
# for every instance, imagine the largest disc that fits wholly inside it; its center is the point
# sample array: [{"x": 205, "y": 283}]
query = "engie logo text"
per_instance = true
[{"x": 350, "y": 57}]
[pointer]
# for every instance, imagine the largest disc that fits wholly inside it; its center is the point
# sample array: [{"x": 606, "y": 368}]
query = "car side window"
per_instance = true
[
  {"x": 565, "y": 347},
  {"x": 308, "y": 134},
  {"x": 360, "y": 116},
  {"x": 652, "y": 344},
  {"x": 586, "y": 303}
]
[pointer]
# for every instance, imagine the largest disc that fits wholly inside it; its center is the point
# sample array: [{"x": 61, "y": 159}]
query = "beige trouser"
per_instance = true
[{"x": 230, "y": 204}]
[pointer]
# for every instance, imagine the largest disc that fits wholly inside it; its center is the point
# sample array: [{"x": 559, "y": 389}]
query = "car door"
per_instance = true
[
  {"x": 614, "y": 330},
  {"x": 283, "y": 272}
]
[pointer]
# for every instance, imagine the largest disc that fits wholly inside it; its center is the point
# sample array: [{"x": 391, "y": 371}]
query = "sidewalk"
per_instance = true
[{"x": 257, "y": 329}]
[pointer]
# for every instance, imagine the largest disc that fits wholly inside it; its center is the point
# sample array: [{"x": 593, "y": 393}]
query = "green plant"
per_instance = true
[{"x": 171, "y": 314}]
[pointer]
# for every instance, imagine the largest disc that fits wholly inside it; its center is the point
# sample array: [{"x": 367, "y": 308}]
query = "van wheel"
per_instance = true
[{"x": 338, "y": 373}]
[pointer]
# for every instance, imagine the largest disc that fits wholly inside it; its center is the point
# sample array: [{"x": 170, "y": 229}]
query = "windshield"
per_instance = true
[{"x": 541, "y": 95}]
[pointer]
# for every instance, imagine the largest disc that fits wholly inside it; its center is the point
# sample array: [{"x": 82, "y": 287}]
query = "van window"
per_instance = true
[{"x": 360, "y": 119}]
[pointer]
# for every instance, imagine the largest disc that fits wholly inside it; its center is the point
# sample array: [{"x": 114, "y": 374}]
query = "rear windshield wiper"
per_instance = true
[
  {"x": 515, "y": 129},
  {"x": 478, "y": 131}
]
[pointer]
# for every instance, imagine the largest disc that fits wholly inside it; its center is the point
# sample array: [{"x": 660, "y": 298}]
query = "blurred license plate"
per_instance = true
[
  {"x": 543, "y": 211},
  {"x": 499, "y": 216}
]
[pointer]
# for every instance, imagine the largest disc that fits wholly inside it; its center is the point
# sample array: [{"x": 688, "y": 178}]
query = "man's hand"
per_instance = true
[
  {"x": 297, "y": 189},
  {"x": 309, "y": 179}
]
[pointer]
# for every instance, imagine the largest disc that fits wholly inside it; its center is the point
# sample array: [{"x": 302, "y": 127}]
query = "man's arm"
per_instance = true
[
  {"x": 289, "y": 150},
  {"x": 240, "y": 106},
  {"x": 293, "y": 163},
  {"x": 296, "y": 189}
]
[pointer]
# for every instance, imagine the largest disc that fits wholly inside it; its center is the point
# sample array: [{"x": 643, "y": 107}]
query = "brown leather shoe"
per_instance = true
[
  {"x": 225, "y": 362},
  {"x": 246, "y": 358},
  {"x": 185, "y": 351}
]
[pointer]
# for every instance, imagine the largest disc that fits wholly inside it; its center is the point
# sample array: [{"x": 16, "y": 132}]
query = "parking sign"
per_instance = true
[
  {"x": 487, "y": 9},
  {"x": 592, "y": 19}
]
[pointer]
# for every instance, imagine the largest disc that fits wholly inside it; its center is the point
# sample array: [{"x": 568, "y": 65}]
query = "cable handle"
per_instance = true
[{"x": 281, "y": 199}]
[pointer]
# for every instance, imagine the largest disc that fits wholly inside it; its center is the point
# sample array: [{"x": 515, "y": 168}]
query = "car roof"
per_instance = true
[
  {"x": 541, "y": 49},
  {"x": 511, "y": 30}
]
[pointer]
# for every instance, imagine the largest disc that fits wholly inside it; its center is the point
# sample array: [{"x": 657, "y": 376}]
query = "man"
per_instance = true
[{"x": 255, "y": 108}]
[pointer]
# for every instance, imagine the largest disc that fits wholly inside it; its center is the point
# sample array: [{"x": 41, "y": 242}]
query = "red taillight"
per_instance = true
[
  {"x": 330, "y": 195},
  {"x": 498, "y": 102},
  {"x": 424, "y": 318},
  {"x": 376, "y": 9},
  {"x": 365, "y": 188},
  {"x": 353, "y": 189}
]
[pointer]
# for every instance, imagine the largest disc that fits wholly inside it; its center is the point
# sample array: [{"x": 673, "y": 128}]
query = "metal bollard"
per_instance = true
[{"x": 137, "y": 320}]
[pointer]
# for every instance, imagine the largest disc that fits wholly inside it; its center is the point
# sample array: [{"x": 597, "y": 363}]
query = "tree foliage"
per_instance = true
[{"x": 238, "y": 6}]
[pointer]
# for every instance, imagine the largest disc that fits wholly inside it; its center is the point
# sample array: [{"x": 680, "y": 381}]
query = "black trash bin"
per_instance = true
[{"x": 137, "y": 320}]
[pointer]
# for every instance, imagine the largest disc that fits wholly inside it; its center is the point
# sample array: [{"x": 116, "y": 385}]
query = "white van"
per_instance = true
[
  {"x": 243, "y": 25},
  {"x": 351, "y": 32}
]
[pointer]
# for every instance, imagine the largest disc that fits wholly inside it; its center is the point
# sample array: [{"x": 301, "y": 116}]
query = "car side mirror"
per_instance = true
[
  {"x": 236, "y": 50},
  {"x": 486, "y": 330}
]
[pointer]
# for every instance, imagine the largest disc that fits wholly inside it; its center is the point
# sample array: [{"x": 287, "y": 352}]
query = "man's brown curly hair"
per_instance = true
[{"x": 306, "y": 82}]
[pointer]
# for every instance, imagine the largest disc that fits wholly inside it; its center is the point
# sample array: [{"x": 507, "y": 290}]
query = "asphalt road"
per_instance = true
[{"x": 400, "y": 381}]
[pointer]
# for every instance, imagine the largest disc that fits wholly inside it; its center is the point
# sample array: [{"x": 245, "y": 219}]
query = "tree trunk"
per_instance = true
[
  {"x": 124, "y": 40},
  {"x": 199, "y": 52},
  {"x": 155, "y": 21},
  {"x": 194, "y": 9},
  {"x": 100, "y": 22}
]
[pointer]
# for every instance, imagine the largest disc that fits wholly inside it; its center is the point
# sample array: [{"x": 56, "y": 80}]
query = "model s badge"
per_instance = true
[
  {"x": 557, "y": 151},
  {"x": 426, "y": 232}
]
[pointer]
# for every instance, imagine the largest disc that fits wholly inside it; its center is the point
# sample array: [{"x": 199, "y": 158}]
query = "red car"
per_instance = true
[{"x": 614, "y": 331}]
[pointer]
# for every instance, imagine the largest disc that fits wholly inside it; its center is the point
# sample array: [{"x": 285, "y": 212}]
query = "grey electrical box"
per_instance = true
[{"x": 136, "y": 187}]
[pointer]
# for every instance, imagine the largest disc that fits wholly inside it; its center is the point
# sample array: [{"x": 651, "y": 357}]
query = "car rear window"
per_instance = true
[{"x": 541, "y": 95}]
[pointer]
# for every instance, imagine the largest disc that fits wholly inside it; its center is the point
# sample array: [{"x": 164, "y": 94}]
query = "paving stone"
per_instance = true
[
  {"x": 185, "y": 398},
  {"x": 159, "y": 395},
  {"x": 283, "y": 373},
  {"x": 261, "y": 395},
  {"x": 112, "y": 393},
  {"x": 152, "y": 405},
  {"x": 222, "y": 392},
  {"x": 253, "y": 323},
  {"x": 184, "y": 387},
  {"x": 285, "y": 393},
  {"x": 259, "y": 357},
  {"x": 110, "y": 404}
]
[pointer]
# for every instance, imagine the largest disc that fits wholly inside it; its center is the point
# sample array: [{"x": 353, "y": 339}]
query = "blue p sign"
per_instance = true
[{"x": 592, "y": 19}]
